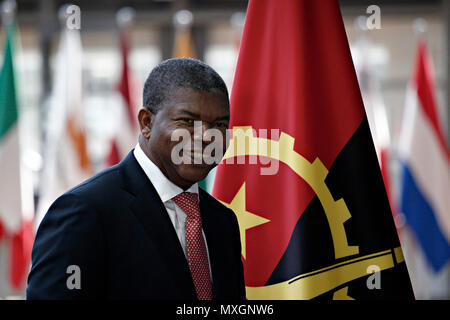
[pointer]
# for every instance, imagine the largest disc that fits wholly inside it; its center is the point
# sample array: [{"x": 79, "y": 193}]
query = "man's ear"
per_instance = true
[{"x": 145, "y": 118}]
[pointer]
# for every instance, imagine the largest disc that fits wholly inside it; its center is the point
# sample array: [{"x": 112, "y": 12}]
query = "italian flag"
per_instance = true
[{"x": 16, "y": 211}]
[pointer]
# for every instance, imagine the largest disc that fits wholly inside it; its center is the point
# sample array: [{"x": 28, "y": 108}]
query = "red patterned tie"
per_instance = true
[{"x": 196, "y": 248}]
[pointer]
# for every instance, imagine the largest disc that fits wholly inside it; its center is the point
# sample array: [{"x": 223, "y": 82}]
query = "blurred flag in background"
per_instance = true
[
  {"x": 126, "y": 132},
  {"x": 66, "y": 160},
  {"x": 16, "y": 190},
  {"x": 183, "y": 46},
  {"x": 425, "y": 192}
]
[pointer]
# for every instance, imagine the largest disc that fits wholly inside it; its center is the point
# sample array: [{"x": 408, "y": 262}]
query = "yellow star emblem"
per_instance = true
[{"x": 246, "y": 220}]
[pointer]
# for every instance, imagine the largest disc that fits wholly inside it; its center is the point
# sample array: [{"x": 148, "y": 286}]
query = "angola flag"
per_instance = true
[{"x": 305, "y": 182}]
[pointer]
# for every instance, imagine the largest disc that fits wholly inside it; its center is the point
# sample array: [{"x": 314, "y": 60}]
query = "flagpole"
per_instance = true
[
  {"x": 420, "y": 28},
  {"x": 125, "y": 18},
  {"x": 183, "y": 21},
  {"x": 237, "y": 22},
  {"x": 62, "y": 15},
  {"x": 8, "y": 12}
]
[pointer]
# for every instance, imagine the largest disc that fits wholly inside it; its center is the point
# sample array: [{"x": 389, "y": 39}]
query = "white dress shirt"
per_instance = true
[{"x": 167, "y": 190}]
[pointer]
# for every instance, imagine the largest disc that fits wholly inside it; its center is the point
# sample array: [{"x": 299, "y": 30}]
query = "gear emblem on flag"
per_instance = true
[{"x": 336, "y": 211}]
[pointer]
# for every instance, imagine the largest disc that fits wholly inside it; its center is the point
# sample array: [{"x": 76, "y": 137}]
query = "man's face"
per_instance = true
[{"x": 180, "y": 110}]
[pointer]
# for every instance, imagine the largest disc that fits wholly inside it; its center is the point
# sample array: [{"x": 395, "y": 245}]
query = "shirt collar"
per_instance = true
[{"x": 165, "y": 188}]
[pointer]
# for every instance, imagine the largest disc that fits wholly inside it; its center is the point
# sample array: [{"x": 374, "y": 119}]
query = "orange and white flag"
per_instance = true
[{"x": 66, "y": 158}]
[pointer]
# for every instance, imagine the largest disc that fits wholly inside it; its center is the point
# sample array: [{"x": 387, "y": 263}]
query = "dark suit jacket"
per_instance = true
[{"x": 115, "y": 228}]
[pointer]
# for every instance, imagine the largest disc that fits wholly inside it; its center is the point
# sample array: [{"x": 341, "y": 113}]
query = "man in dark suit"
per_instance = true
[{"x": 143, "y": 229}]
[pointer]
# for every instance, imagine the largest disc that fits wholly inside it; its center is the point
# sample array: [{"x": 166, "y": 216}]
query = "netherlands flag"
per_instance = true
[{"x": 425, "y": 194}]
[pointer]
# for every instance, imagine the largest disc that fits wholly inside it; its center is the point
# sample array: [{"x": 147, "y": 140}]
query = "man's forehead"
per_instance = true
[
  {"x": 197, "y": 111},
  {"x": 187, "y": 92},
  {"x": 189, "y": 99}
]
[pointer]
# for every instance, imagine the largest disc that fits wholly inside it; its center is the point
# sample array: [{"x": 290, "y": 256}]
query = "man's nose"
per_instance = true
[{"x": 202, "y": 131}]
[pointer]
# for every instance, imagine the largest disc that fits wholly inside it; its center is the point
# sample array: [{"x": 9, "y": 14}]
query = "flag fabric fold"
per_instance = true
[{"x": 314, "y": 216}]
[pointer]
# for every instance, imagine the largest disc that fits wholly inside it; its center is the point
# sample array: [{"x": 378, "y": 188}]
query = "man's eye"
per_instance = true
[
  {"x": 222, "y": 125},
  {"x": 187, "y": 120}
]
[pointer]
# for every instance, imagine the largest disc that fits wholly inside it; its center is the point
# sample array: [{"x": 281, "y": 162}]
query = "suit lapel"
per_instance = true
[
  {"x": 150, "y": 211},
  {"x": 211, "y": 227}
]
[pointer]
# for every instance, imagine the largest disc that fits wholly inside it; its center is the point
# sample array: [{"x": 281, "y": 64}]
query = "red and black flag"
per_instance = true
[{"x": 301, "y": 172}]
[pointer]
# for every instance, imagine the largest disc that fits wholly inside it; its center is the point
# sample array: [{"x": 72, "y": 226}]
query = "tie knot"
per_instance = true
[{"x": 188, "y": 202}]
